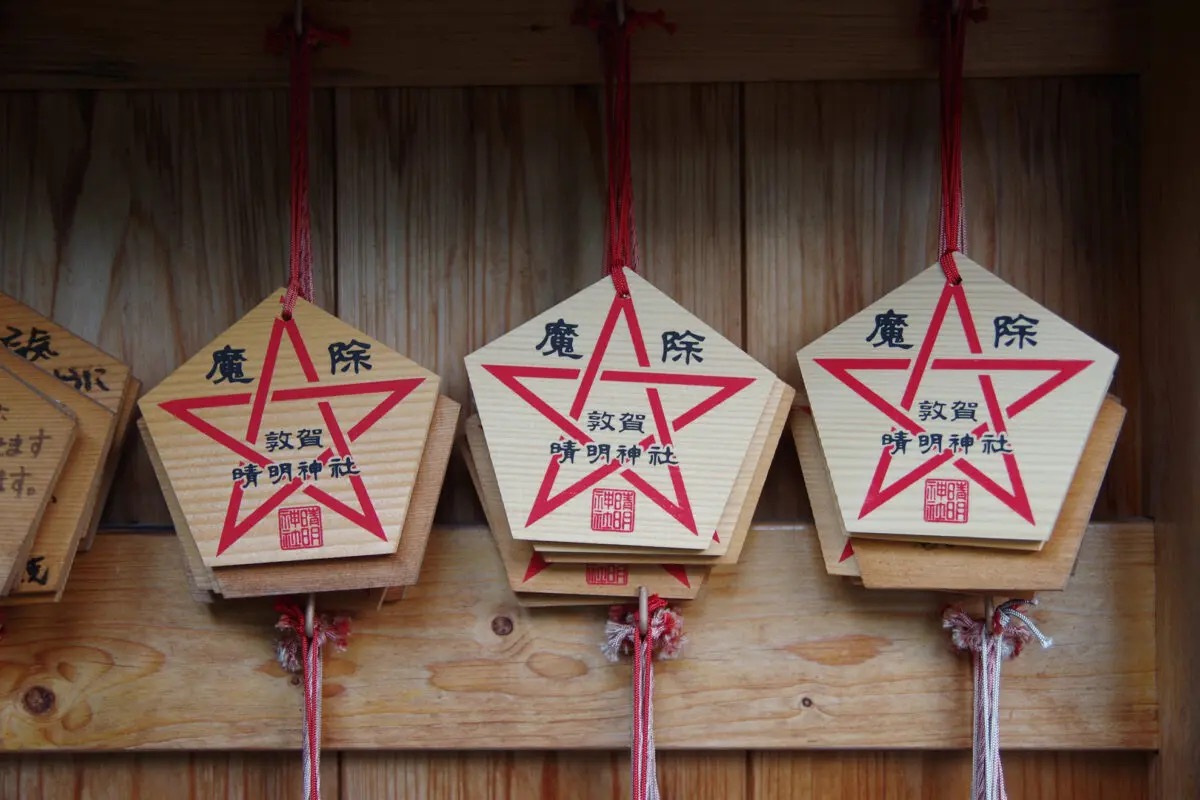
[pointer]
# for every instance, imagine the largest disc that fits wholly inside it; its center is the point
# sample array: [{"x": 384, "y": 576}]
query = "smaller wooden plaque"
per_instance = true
[
  {"x": 901, "y": 565},
  {"x": 36, "y": 434},
  {"x": 731, "y": 534},
  {"x": 76, "y": 492},
  {"x": 393, "y": 571},
  {"x": 529, "y": 572}
]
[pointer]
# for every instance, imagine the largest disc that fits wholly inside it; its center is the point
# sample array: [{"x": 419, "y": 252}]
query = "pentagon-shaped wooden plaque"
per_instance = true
[
  {"x": 529, "y": 573},
  {"x": 391, "y": 571},
  {"x": 292, "y": 440},
  {"x": 954, "y": 411},
  {"x": 618, "y": 421},
  {"x": 36, "y": 434}
]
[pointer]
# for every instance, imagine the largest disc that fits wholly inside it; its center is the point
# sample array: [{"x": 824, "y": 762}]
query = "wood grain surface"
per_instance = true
[
  {"x": 147, "y": 223},
  {"x": 1170, "y": 244},
  {"x": 734, "y": 775},
  {"x": 874, "y": 667},
  {"x": 909, "y": 565},
  {"x": 841, "y": 207},
  {"x": 30, "y": 477},
  {"x": 67, "y": 43}
]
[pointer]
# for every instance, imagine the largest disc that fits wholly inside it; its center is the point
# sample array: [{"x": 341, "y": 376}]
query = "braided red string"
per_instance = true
[
  {"x": 300, "y": 46},
  {"x": 951, "y": 22},
  {"x": 299, "y": 653},
  {"x": 620, "y": 230},
  {"x": 664, "y": 636}
]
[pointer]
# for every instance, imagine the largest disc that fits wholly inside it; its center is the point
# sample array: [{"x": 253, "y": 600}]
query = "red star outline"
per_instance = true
[
  {"x": 680, "y": 509},
  {"x": 538, "y": 562},
  {"x": 365, "y": 516},
  {"x": 1015, "y": 498}
]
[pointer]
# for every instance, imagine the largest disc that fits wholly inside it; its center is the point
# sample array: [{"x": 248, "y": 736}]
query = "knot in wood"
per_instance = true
[
  {"x": 502, "y": 626},
  {"x": 38, "y": 700}
]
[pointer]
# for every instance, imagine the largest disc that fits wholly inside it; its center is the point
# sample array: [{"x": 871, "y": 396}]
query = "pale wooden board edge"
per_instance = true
[
  {"x": 124, "y": 418},
  {"x": 900, "y": 565},
  {"x": 21, "y": 556},
  {"x": 374, "y": 572}
]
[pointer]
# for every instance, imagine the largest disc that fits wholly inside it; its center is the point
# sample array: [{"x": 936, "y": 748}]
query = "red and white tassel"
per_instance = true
[
  {"x": 624, "y": 636},
  {"x": 1006, "y": 633},
  {"x": 300, "y": 652}
]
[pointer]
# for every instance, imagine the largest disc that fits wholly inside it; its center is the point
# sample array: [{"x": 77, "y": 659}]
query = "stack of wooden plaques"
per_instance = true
[
  {"x": 954, "y": 437},
  {"x": 620, "y": 443},
  {"x": 299, "y": 455},
  {"x": 66, "y": 408}
]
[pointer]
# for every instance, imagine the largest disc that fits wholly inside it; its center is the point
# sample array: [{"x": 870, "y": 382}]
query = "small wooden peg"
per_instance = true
[{"x": 643, "y": 610}]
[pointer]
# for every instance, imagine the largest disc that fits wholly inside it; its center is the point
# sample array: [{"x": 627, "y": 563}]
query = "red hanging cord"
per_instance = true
[
  {"x": 951, "y": 22},
  {"x": 663, "y": 636},
  {"x": 299, "y": 651},
  {"x": 300, "y": 45},
  {"x": 615, "y": 25}
]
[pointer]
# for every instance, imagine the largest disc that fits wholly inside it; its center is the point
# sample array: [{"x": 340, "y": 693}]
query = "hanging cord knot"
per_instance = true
[
  {"x": 664, "y": 630},
  {"x": 1001, "y": 635},
  {"x": 302, "y": 638},
  {"x": 614, "y": 24},
  {"x": 659, "y": 630},
  {"x": 289, "y": 645},
  {"x": 299, "y": 37}
]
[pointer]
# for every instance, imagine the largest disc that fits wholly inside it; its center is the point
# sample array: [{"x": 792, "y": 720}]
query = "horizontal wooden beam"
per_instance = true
[
  {"x": 149, "y": 43},
  {"x": 781, "y": 655}
]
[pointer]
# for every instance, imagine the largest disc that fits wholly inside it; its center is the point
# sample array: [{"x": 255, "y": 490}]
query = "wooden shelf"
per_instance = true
[
  {"x": 780, "y": 656},
  {"x": 141, "y": 44}
]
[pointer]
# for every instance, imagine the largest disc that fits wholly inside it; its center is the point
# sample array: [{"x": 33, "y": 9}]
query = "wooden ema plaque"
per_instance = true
[
  {"x": 36, "y": 434},
  {"x": 529, "y": 573},
  {"x": 82, "y": 366},
  {"x": 954, "y": 411},
  {"x": 72, "y": 507},
  {"x": 291, "y": 440},
  {"x": 393, "y": 571},
  {"x": 730, "y": 537},
  {"x": 617, "y": 421}
]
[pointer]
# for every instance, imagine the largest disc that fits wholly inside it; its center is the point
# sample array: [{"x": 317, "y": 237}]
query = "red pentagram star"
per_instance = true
[
  {"x": 236, "y": 526},
  {"x": 1015, "y": 497},
  {"x": 547, "y": 500}
]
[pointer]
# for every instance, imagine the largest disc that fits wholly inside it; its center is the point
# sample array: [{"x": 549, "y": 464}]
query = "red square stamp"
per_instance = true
[
  {"x": 607, "y": 575},
  {"x": 300, "y": 528},
  {"x": 946, "y": 500},
  {"x": 612, "y": 510}
]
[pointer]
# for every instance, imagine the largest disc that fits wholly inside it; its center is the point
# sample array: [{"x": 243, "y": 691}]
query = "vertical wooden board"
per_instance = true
[
  {"x": 199, "y": 776},
  {"x": 1051, "y": 177},
  {"x": 463, "y": 212},
  {"x": 1171, "y": 240},
  {"x": 842, "y": 203},
  {"x": 525, "y": 775},
  {"x": 938, "y": 775},
  {"x": 149, "y": 222}
]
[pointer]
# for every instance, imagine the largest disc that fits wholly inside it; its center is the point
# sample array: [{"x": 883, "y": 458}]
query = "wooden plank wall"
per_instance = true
[{"x": 150, "y": 221}]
